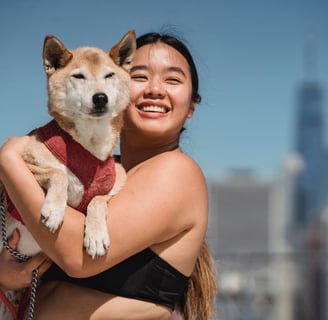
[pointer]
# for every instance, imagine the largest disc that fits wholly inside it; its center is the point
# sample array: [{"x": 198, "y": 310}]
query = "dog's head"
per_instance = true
[{"x": 88, "y": 82}]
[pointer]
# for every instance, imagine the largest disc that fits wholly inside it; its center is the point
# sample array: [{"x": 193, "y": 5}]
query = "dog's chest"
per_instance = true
[
  {"x": 88, "y": 176},
  {"x": 39, "y": 155}
]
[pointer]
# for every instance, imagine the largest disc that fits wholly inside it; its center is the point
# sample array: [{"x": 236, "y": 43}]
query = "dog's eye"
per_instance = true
[
  {"x": 109, "y": 75},
  {"x": 78, "y": 76}
]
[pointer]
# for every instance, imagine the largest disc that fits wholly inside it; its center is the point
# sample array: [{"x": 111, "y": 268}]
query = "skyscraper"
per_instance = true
[
  {"x": 310, "y": 193},
  {"x": 309, "y": 140}
]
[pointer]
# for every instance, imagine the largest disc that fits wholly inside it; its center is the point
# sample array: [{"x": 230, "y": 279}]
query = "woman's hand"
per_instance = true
[{"x": 15, "y": 274}]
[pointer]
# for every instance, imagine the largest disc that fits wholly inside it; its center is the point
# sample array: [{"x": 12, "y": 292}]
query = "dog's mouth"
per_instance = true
[{"x": 98, "y": 112}]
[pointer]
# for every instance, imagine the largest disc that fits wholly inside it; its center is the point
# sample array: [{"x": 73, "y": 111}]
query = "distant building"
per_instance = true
[
  {"x": 310, "y": 197},
  {"x": 241, "y": 206},
  {"x": 309, "y": 139},
  {"x": 248, "y": 227},
  {"x": 310, "y": 145}
]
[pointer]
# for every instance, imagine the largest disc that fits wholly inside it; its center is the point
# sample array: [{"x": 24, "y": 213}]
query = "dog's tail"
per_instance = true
[{"x": 202, "y": 289}]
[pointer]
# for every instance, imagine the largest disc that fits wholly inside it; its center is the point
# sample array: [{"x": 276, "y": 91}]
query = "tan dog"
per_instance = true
[{"x": 88, "y": 91}]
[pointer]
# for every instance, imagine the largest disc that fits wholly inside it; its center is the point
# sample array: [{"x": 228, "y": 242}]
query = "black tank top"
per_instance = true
[{"x": 144, "y": 276}]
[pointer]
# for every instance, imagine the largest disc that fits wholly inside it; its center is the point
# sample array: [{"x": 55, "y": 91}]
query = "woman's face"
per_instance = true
[{"x": 161, "y": 91}]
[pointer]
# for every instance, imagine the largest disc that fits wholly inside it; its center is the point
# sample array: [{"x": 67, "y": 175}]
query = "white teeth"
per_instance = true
[{"x": 153, "y": 109}]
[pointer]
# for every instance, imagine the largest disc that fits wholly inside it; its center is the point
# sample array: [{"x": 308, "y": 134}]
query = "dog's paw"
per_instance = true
[
  {"x": 52, "y": 216},
  {"x": 96, "y": 242}
]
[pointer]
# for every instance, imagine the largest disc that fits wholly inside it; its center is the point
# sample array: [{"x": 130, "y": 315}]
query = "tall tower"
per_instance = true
[
  {"x": 310, "y": 144},
  {"x": 309, "y": 138}
]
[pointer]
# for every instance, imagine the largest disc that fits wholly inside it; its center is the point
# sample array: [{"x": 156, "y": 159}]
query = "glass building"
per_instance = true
[{"x": 310, "y": 145}]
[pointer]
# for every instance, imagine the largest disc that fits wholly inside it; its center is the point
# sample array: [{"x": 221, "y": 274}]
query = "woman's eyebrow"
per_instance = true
[
  {"x": 177, "y": 69},
  {"x": 138, "y": 67},
  {"x": 169, "y": 69}
]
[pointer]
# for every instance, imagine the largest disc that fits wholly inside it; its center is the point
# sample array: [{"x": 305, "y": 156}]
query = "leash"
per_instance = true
[{"x": 21, "y": 257}]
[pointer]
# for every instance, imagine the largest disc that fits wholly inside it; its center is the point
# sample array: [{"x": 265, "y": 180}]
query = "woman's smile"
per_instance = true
[{"x": 153, "y": 107}]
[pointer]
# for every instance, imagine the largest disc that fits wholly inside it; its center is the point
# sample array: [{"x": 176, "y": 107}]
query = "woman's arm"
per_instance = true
[{"x": 162, "y": 199}]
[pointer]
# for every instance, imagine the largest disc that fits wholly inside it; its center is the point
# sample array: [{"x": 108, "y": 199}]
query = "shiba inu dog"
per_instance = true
[{"x": 72, "y": 156}]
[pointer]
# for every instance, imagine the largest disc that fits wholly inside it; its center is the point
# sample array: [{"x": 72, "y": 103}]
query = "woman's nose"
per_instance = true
[{"x": 155, "y": 89}]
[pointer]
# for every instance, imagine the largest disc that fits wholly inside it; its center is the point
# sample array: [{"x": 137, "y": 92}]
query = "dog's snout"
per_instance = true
[{"x": 100, "y": 100}]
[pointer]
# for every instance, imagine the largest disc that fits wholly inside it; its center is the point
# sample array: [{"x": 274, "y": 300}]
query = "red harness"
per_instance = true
[
  {"x": 97, "y": 176},
  {"x": 16, "y": 315}
]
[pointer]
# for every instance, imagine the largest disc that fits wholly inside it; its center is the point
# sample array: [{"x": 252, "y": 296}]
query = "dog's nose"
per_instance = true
[{"x": 100, "y": 100}]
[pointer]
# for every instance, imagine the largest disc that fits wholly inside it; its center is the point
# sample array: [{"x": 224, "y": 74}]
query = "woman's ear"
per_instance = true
[{"x": 191, "y": 110}]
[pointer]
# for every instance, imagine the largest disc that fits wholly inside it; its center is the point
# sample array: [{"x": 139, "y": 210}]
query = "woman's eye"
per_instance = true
[
  {"x": 139, "y": 77},
  {"x": 78, "y": 76},
  {"x": 173, "y": 80},
  {"x": 109, "y": 75}
]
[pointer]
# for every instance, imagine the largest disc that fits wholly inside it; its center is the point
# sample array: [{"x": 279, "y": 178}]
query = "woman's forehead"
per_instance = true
[{"x": 160, "y": 54}]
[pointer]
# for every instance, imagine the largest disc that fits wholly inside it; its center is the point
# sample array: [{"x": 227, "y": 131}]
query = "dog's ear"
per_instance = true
[
  {"x": 55, "y": 55},
  {"x": 123, "y": 52}
]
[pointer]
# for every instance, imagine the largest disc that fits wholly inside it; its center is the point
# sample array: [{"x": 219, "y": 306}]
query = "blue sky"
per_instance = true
[{"x": 249, "y": 56}]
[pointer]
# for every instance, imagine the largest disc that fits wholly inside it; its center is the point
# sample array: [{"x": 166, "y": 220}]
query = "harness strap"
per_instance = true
[
  {"x": 9, "y": 305},
  {"x": 16, "y": 315}
]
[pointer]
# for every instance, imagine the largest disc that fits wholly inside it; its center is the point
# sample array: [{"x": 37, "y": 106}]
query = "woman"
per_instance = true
[{"x": 158, "y": 220}]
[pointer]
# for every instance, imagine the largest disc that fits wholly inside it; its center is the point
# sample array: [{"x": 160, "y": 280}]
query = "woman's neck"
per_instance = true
[{"x": 134, "y": 152}]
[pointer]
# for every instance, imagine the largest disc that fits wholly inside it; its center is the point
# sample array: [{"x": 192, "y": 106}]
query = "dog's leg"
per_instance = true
[
  {"x": 96, "y": 236},
  {"x": 55, "y": 181}
]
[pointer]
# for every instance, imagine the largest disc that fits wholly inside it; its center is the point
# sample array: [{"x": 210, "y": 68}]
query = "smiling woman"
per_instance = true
[{"x": 158, "y": 261}]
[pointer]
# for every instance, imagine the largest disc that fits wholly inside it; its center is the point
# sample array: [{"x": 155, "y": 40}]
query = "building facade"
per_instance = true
[{"x": 248, "y": 229}]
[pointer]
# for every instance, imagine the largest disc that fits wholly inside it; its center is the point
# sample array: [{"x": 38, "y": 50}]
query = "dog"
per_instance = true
[{"x": 72, "y": 155}]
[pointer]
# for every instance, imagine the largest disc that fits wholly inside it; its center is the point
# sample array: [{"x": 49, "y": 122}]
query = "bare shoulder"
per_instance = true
[
  {"x": 179, "y": 178},
  {"x": 179, "y": 164},
  {"x": 177, "y": 175}
]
